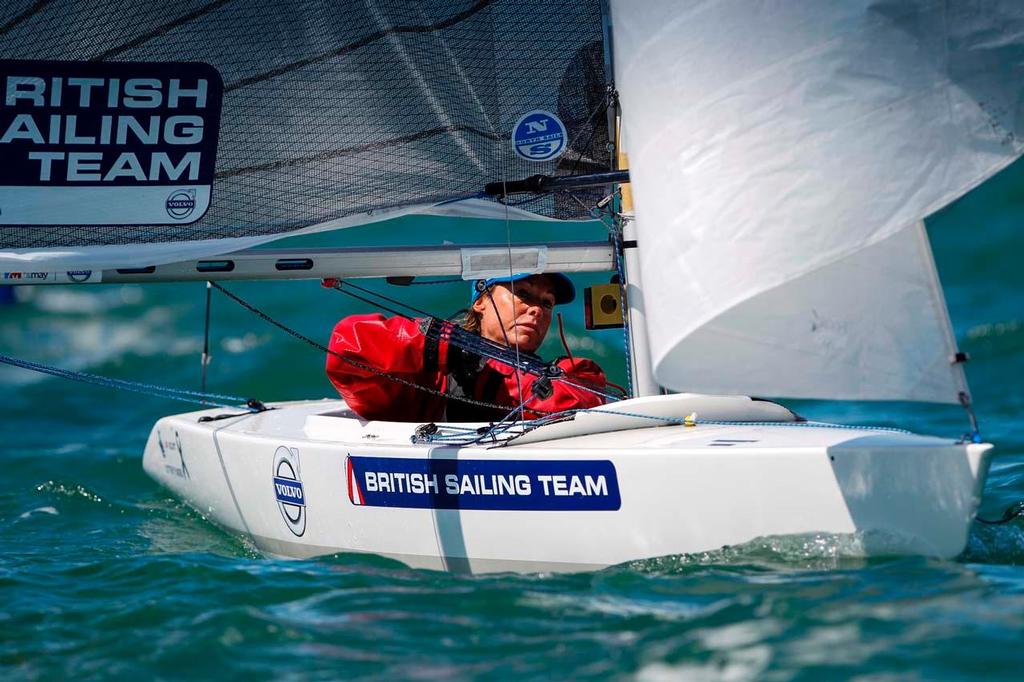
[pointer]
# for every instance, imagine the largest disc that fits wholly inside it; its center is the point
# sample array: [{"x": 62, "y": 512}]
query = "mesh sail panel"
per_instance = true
[{"x": 333, "y": 109}]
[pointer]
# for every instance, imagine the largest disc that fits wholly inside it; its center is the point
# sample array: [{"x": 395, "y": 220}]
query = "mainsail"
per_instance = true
[
  {"x": 331, "y": 114},
  {"x": 783, "y": 156}
]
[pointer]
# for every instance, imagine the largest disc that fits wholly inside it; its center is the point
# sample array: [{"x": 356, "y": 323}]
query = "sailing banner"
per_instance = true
[
  {"x": 511, "y": 485},
  {"x": 107, "y": 143}
]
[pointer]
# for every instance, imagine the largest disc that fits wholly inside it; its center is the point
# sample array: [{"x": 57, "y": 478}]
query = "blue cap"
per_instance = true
[{"x": 565, "y": 292}]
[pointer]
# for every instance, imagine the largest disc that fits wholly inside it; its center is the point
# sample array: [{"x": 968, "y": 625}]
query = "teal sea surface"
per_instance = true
[{"x": 103, "y": 574}]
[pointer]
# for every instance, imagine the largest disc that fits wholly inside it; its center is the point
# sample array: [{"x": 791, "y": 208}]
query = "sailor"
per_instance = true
[{"x": 514, "y": 312}]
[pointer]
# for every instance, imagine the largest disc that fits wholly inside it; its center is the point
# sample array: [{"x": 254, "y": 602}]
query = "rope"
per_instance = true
[
  {"x": 205, "y": 360},
  {"x": 184, "y": 395},
  {"x": 474, "y": 343},
  {"x": 1013, "y": 511},
  {"x": 687, "y": 421},
  {"x": 627, "y": 345},
  {"x": 501, "y": 324},
  {"x": 355, "y": 363},
  {"x": 526, "y": 426},
  {"x": 515, "y": 319},
  {"x": 455, "y": 335}
]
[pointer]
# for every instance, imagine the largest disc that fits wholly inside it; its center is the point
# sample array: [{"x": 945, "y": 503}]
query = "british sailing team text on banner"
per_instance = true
[
  {"x": 524, "y": 485},
  {"x": 107, "y": 143}
]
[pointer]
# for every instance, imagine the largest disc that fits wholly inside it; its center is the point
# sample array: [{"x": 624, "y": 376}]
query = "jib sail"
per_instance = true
[{"x": 783, "y": 156}]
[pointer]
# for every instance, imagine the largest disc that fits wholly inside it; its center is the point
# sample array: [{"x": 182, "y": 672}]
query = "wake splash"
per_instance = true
[{"x": 997, "y": 545}]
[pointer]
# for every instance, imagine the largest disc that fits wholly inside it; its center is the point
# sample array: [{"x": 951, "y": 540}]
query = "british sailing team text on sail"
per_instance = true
[{"x": 90, "y": 96}]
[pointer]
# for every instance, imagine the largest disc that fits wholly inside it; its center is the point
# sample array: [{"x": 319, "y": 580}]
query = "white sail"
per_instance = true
[{"x": 782, "y": 156}]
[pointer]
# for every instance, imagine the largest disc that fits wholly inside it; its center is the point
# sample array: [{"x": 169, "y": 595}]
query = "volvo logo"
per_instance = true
[
  {"x": 288, "y": 490},
  {"x": 181, "y": 203}
]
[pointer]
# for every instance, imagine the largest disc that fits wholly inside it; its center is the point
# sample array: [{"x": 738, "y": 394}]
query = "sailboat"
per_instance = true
[{"x": 768, "y": 237}]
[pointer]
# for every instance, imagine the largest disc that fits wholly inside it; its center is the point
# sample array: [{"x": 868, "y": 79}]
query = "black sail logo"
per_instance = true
[
  {"x": 107, "y": 143},
  {"x": 288, "y": 490}
]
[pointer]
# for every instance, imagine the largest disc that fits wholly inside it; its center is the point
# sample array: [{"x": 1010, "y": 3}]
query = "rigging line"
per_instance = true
[
  {"x": 615, "y": 233},
  {"x": 501, "y": 324},
  {"x": 498, "y": 427},
  {"x": 206, "y": 339},
  {"x": 565, "y": 345},
  {"x": 583, "y": 386},
  {"x": 1009, "y": 514},
  {"x": 168, "y": 392},
  {"x": 341, "y": 284},
  {"x": 24, "y": 16},
  {"x": 485, "y": 344},
  {"x": 692, "y": 420},
  {"x": 355, "y": 363},
  {"x": 159, "y": 31},
  {"x": 579, "y": 156},
  {"x": 357, "y": 149},
  {"x": 456, "y": 335},
  {"x": 362, "y": 42},
  {"x": 620, "y": 270},
  {"x": 512, "y": 288}
]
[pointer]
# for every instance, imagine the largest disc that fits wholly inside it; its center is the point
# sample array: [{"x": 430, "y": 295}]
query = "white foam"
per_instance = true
[{"x": 40, "y": 510}]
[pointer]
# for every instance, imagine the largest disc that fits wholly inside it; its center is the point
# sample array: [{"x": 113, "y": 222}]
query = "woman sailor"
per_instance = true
[{"x": 368, "y": 352}]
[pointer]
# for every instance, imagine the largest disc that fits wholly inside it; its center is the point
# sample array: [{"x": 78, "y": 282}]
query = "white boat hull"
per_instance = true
[{"x": 680, "y": 489}]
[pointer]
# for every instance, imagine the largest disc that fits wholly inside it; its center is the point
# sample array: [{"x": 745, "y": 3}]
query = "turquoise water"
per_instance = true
[{"x": 103, "y": 574}]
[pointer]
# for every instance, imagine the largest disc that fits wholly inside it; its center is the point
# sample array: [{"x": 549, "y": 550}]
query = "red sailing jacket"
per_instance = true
[{"x": 400, "y": 347}]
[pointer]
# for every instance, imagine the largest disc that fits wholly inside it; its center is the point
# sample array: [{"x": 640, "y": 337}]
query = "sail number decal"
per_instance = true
[
  {"x": 107, "y": 143},
  {"x": 523, "y": 485}
]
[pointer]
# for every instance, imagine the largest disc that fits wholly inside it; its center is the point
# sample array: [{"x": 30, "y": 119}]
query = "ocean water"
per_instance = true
[{"x": 105, "y": 575}]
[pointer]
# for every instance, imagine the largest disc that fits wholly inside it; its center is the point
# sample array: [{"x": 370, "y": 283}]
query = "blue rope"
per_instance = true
[
  {"x": 522, "y": 427},
  {"x": 471, "y": 436},
  {"x": 181, "y": 394},
  {"x": 727, "y": 422}
]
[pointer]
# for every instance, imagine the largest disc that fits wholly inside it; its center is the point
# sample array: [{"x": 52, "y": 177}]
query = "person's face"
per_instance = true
[{"x": 523, "y": 312}]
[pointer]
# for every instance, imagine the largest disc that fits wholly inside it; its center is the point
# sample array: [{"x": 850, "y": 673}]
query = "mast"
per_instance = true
[
  {"x": 638, "y": 346},
  {"x": 640, "y": 367}
]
